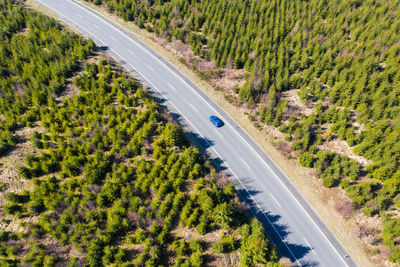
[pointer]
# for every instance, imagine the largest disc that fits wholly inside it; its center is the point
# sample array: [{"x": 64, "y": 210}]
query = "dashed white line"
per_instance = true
[
  {"x": 234, "y": 173},
  {"x": 80, "y": 16},
  {"x": 237, "y": 178},
  {"x": 308, "y": 244},
  {"x": 193, "y": 107},
  {"x": 276, "y": 201},
  {"x": 170, "y": 85},
  {"x": 220, "y": 135},
  {"x": 245, "y": 163},
  {"x": 112, "y": 37},
  {"x": 96, "y": 26},
  {"x": 64, "y": 6},
  {"x": 150, "y": 67},
  {"x": 133, "y": 53}
]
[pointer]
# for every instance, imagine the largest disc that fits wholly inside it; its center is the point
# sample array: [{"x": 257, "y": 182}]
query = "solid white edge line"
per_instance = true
[
  {"x": 106, "y": 20},
  {"x": 237, "y": 178}
]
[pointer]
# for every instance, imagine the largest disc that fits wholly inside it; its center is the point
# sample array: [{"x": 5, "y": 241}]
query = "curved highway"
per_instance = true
[{"x": 290, "y": 222}]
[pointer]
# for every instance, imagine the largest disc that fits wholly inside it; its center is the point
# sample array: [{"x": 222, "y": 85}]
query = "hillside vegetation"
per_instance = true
[
  {"x": 341, "y": 56},
  {"x": 114, "y": 182}
]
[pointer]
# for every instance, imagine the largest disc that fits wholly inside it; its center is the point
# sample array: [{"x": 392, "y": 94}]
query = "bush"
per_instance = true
[
  {"x": 306, "y": 159},
  {"x": 225, "y": 245},
  {"x": 25, "y": 172},
  {"x": 360, "y": 193},
  {"x": 196, "y": 259},
  {"x": 218, "y": 247},
  {"x": 195, "y": 245}
]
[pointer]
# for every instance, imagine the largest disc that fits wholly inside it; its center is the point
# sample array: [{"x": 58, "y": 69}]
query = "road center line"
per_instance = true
[
  {"x": 80, "y": 16},
  {"x": 130, "y": 51},
  {"x": 251, "y": 196},
  {"x": 96, "y": 26},
  {"x": 308, "y": 244},
  {"x": 245, "y": 163},
  {"x": 276, "y": 201},
  {"x": 237, "y": 178},
  {"x": 170, "y": 85},
  {"x": 193, "y": 107},
  {"x": 278, "y": 233},
  {"x": 112, "y": 37},
  {"x": 64, "y": 6},
  {"x": 150, "y": 67},
  {"x": 220, "y": 135}
]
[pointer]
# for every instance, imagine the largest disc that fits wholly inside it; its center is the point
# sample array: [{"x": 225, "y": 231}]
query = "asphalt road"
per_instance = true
[{"x": 290, "y": 222}]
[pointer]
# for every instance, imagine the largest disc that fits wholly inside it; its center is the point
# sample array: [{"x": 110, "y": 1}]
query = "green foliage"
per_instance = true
[
  {"x": 254, "y": 248},
  {"x": 390, "y": 233},
  {"x": 306, "y": 159},
  {"x": 108, "y": 170},
  {"x": 361, "y": 193},
  {"x": 328, "y": 50},
  {"x": 225, "y": 245}
]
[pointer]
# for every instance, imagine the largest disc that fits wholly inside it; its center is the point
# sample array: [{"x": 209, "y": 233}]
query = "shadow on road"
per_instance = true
[
  {"x": 103, "y": 48},
  {"x": 276, "y": 231}
]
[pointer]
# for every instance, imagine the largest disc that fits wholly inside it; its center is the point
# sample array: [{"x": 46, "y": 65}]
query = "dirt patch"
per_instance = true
[
  {"x": 188, "y": 234},
  {"x": 9, "y": 175},
  {"x": 294, "y": 100},
  {"x": 341, "y": 147},
  {"x": 70, "y": 90},
  {"x": 307, "y": 184},
  {"x": 225, "y": 78}
]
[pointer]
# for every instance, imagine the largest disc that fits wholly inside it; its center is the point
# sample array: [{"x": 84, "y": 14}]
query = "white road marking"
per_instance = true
[
  {"x": 80, "y": 16},
  {"x": 227, "y": 165},
  {"x": 96, "y": 26},
  {"x": 199, "y": 132},
  {"x": 308, "y": 244},
  {"x": 64, "y": 6},
  {"x": 150, "y": 67},
  {"x": 220, "y": 135},
  {"x": 112, "y": 37},
  {"x": 245, "y": 163},
  {"x": 130, "y": 51},
  {"x": 193, "y": 107},
  {"x": 170, "y": 85},
  {"x": 276, "y": 201}
]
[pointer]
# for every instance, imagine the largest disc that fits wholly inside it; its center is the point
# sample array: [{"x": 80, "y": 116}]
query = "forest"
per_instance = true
[
  {"x": 341, "y": 56},
  {"x": 114, "y": 180}
]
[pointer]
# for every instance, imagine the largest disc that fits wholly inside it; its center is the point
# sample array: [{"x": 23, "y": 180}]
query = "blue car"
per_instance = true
[{"x": 216, "y": 121}]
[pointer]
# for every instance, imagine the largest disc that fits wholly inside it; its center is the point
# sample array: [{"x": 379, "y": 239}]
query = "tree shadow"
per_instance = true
[
  {"x": 202, "y": 141},
  {"x": 158, "y": 99},
  {"x": 276, "y": 231},
  {"x": 309, "y": 263},
  {"x": 10, "y": 148},
  {"x": 219, "y": 164},
  {"x": 103, "y": 48}
]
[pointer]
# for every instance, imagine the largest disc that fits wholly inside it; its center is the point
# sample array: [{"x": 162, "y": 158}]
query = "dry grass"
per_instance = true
[
  {"x": 231, "y": 259},
  {"x": 9, "y": 175},
  {"x": 294, "y": 101},
  {"x": 305, "y": 182},
  {"x": 341, "y": 147}
]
